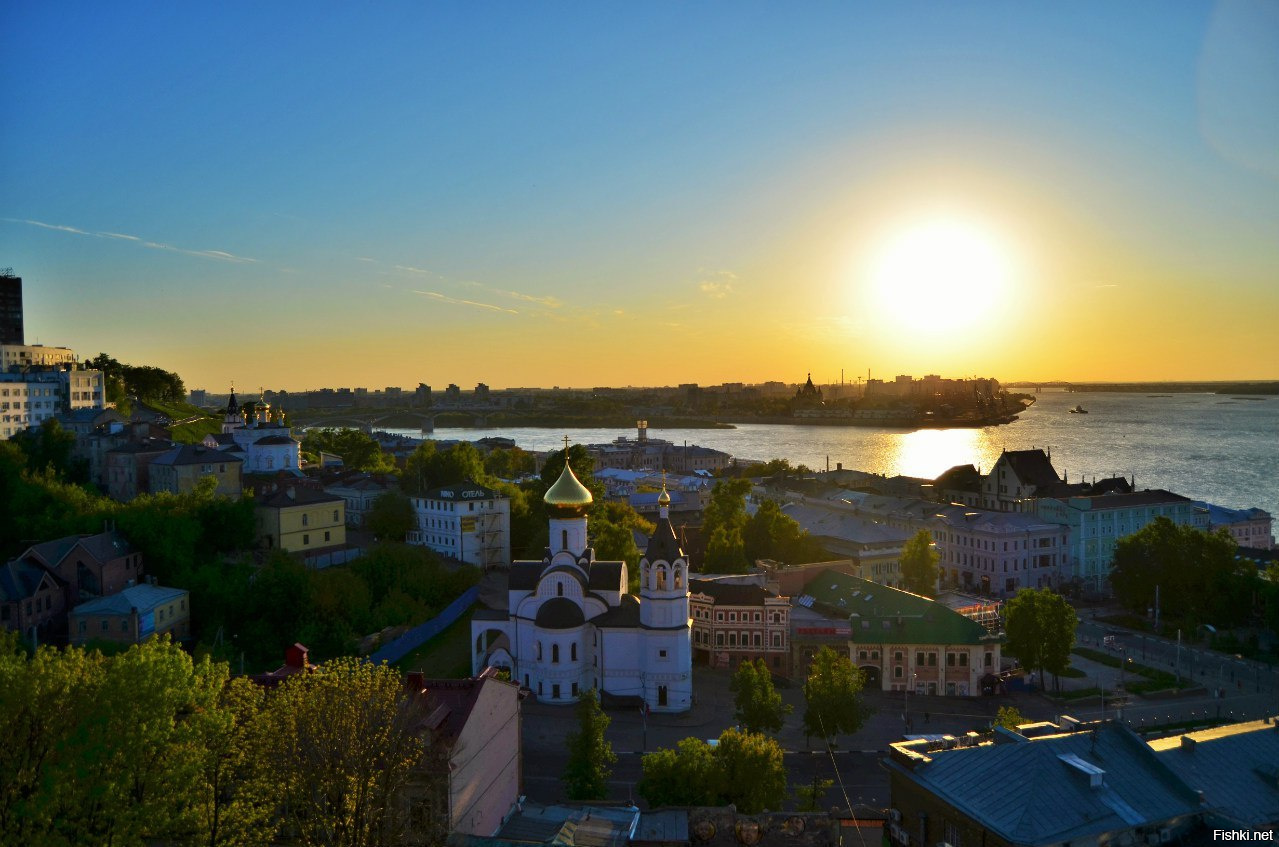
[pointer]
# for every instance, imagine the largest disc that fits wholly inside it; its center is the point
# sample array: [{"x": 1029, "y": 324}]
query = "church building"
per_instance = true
[
  {"x": 571, "y": 623},
  {"x": 264, "y": 441}
]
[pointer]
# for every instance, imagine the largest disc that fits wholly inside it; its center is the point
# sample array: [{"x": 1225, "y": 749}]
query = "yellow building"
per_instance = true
[
  {"x": 133, "y": 615},
  {"x": 180, "y": 470},
  {"x": 300, "y": 520}
]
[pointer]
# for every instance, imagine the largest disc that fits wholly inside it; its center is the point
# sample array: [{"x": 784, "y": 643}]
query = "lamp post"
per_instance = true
[{"x": 906, "y": 716}]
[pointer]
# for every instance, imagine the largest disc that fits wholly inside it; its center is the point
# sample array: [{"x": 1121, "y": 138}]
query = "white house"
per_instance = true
[
  {"x": 571, "y": 623},
  {"x": 464, "y": 521}
]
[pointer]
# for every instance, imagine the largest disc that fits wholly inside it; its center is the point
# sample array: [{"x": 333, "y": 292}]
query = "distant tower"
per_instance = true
[
  {"x": 233, "y": 418},
  {"x": 11, "y": 331}
]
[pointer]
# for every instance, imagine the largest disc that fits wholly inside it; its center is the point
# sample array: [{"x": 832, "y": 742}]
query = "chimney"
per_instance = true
[
  {"x": 295, "y": 656},
  {"x": 1188, "y": 743}
]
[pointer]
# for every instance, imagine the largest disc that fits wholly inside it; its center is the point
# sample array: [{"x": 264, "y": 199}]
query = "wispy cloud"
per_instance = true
[
  {"x": 220, "y": 255},
  {"x": 1106, "y": 285},
  {"x": 718, "y": 285},
  {"x": 435, "y": 295},
  {"x": 366, "y": 259},
  {"x": 548, "y": 301},
  {"x": 413, "y": 270}
]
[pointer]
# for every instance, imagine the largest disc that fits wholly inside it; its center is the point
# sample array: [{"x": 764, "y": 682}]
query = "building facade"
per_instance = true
[
  {"x": 735, "y": 622},
  {"x": 465, "y": 521},
  {"x": 300, "y": 520},
  {"x": 999, "y": 553},
  {"x": 11, "y": 328},
  {"x": 29, "y": 398},
  {"x": 571, "y": 623},
  {"x": 133, "y": 615},
  {"x": 180, "y": 469}
]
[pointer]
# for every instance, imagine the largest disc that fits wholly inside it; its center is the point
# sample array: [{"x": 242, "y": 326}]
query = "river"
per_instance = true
[{"x": 1205, "y": 446}]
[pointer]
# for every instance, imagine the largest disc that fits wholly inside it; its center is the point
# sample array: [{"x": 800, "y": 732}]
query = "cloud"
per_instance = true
[
  {"x": 366, "y": 259},
  {"x": 1106, "y": 285},
  {"x": 413, "y": 270},
  {"x": 435, "y": 295},
  {"x": 719, "y": 285},
  {"x": 220, "y": 255},
  {"x": 547, "y": 301}
]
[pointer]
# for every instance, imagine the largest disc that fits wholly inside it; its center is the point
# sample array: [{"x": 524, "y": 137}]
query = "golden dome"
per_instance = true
[
  {"x": 664, "y": 499},
  {"x": 567, "y": 492}
]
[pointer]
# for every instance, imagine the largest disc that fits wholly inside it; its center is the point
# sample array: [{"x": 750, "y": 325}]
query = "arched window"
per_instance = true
[
  {"x": 661, "y": 578},
  {"x": 559, "y": 589},
  {"x": 539, "y": 651},
  {"x": 563, "y": 539},
  {"x": 572, "y": 652},
  {"x": 679, "y": 577},
  {"x": 555, "y": 654}
]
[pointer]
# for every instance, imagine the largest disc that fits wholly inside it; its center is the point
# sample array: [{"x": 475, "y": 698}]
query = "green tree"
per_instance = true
[
  {"x": 429, "y": 467},
  {"x": 1040, "y": 629},
  {"x": 745, "y": 769},
  {"x": 810, "y": 794},
  {"x": 590, "y": 755},
  {"x": 509, "y": 463},
  {"x": 391, "y": 517},
  {"x": 359, "y": 451},
  {"x": 1198, "y": 577},
  {"x": 612, "y": 525},
  {"x": 342, "y": 746},
  {"x": 48, "y": 447},
  {"x": 1009, "y": 718},
  {"x": 723, "y": 523},
  {"x": 754, "y": 772},
  {"x": 579, "y": 458},
  {"x": 772, "y": 534},
  {"x": 759, "y": 705},
  {"x": 832, "y": 696},
  {"x": 919, "y": 564},
  {"x": 687, "y": 775}
]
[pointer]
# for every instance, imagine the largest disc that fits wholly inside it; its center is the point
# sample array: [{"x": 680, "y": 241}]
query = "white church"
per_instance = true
[
  {"x": 571, "y": 623},
  {"x": 263, "y": 440}
]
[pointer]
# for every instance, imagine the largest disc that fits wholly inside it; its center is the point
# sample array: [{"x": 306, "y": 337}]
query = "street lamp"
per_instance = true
[{"x": 906, "y": 716}]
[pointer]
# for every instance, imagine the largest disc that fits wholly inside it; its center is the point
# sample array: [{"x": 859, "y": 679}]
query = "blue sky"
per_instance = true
[{"x": 604, "y": 193}]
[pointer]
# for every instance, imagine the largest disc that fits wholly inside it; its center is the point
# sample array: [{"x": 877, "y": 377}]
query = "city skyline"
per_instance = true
[{"x": 611, "y": 195}]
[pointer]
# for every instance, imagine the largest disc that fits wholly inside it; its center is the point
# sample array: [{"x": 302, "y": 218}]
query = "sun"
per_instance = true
[{"x": 941, "y": 276}]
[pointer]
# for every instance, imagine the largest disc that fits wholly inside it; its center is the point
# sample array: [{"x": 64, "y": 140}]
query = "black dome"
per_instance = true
[{"x": 559, "y": 613}]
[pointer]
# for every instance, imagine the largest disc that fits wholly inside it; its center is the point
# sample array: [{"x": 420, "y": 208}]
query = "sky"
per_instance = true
[{"x": 299, "y": 195}]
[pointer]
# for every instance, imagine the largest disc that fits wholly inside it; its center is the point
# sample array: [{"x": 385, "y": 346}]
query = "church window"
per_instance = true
[
  {"x": 572, "y": 653},
  {"x": 539, "y": 651},
  {"x": 575, "y": 689},
  {"x": 661, "y": 578},
  {"x": 555, "y": 654},
  {"x": 563, "y": 539},
  {"x": 555, "y": 692},
  {"x": 679, "y": 577},
  {"x": 661, "y": 654},
  {"x": 559, "y": 589}
]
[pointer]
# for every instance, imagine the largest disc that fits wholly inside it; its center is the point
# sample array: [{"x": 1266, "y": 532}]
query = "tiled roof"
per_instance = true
[
  {"x": 624, "y": 615},
  {"x": 195, "y": 454},
  {"x": 728, "y": 593},
  {"x": 296, "y": 496},
  {"x": 1032, "y": 467},
  {"x": 144, "y": 598},
  {"x": 663, "y": 545},
  {"x": 20, "y": 579},
  {"x": 106, "y": 546},
  {"x": 52, "y": 552},
  {"x": 883, "y": 615},
  {"x": 1029, "y": 792},
  {"x": 842, "y": 524}
]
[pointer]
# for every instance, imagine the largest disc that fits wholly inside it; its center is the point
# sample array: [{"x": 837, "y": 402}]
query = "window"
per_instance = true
[
  {"x": 574, "y": 684},
  {"x": 539, "y": 651},
  {"x": 732, "y": 639},
  {"x": 777, "y": 639},
  {"x": 963, "y": 660},
  {"x": 335, "y": 515},
  {"x": 572, "y": 653},
  {"x": 919, "y": 658},
  {"x": 757, "y": 617},
  {"x": 306, "y": 520},
  {"x": 82, "y": 623},
  {"x": 897, "y": 672},
  {"x": 861, "y": 654},
  {"x": 104, "y": 625},
  {"x": 555, "y": 692},
  {"x": 559, "y": 589},
  {"x": 950, "y": 660},
  {"x": 306, "y": 539},
  {"x": 989, "y": 658},
  {"x": 897, "y": 657},
  {"x": 124, "y": 626},
  {"x": 719, "y": 639},
  {"x": 732, "y": 616},
  {"x": 555, "y": 656},
  {"x": 932, "y": 660},
  {"x": 719, "y": 616},
  {"x": 661, "y": 654},
  {"x": 756, "y": 639}
]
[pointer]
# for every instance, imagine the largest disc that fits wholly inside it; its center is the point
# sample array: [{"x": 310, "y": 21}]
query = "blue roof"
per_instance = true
[
  {"x": 144, "y": 598},
  {"x": 1236, "y": 766},
  {"x": 1041, "y": 791}
]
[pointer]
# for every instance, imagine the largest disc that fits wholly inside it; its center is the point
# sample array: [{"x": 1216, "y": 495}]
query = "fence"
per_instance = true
[{"x": 422, "y": 633}]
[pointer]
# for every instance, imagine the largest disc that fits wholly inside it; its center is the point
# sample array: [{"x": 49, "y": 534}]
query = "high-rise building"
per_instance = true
[{"x": 10, "y": 308}]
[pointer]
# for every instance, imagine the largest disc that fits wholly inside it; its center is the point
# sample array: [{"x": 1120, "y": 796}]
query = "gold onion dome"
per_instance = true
[
  {"x": 567, "y": 492},
  {"x": 664, "y": 499}
]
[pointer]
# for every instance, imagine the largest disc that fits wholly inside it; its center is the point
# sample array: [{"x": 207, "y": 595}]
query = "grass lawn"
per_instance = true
[
  {"x": 1073, "y": 673},
  {"x": 446, "y": 656}
]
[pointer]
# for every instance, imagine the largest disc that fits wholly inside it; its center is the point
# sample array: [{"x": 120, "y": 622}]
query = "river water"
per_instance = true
[{"x": 1205, "y": 446}]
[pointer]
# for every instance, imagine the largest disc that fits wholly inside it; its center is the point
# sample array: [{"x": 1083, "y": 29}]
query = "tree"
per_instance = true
[
  {"x": 1009, "y": 718},
  {"x": 509, "y": 463},
  {"x": 772, "y": 534},
  {"x": 429, "y": 467},
  {"x": 687, "y": 775},
  {"x": 745, "y": 769},
  {"x": 590, "y": 755},
  {"x": 359, "y": 450},
  {"x": 342, "y": 745},
  {"x": 391, "y": 517},
  {"x": 754, "y": 772},
  {"x": 1196, "y": 572},
  {"x": 1040, "y": 629},
  {"x": 579, "y": 459},
  {"x": 919, "y": 564},
  {"x": 612, "y": 533},
  {"x": 759, "y": 705},
  {"x": 723, "y": 523},
  {"x": 832, "y": 696},
  {"x": 810, "y": 795},
  {"x": 48, "y": 447}
]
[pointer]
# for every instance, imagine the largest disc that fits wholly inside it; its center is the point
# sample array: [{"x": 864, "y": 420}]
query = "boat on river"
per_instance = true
[{"x": 1079, "y": 410}]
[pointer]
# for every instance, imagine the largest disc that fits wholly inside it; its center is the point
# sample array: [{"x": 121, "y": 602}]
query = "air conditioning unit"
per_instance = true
[{"x": 895, "y": 815}]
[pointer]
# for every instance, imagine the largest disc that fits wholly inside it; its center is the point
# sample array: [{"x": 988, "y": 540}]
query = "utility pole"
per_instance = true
[
  {"x": 1177, "y": 664},
  {"x": 1156, "y": 609}
]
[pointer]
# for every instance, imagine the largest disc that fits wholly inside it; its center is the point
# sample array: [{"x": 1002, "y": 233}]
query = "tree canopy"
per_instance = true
[
  {"x": 758, "y": 704},
  {"x": 919, "y": 564},
  {"x": 745, "y": 769},
  {"x": 832, "y": 696},
  {"x": 1040, "y": 629},
  {"x": 391, "y": 517},
  {"x": 359, "y": 450},
  {"x": 590, "y": 755}
]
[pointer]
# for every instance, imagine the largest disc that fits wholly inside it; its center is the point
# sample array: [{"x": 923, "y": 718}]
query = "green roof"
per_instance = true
[{"x": 882, "y": 615}]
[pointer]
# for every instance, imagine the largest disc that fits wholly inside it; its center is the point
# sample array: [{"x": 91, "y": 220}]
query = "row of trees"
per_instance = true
[
  {"x": 145, "y": 382},
  {"x": 1199, "y": 577},
  {"x": 735, "y": 540},
  {"x": 150, "y": 746},
  {"x": 745, "y": 767}
]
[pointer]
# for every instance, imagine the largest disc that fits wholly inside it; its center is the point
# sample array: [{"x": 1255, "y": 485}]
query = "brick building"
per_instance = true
[{"x": 736, "y": 621}]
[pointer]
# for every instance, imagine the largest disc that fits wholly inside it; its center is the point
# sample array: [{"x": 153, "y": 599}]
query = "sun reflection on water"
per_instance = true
[{"x": 929, "y": 452}]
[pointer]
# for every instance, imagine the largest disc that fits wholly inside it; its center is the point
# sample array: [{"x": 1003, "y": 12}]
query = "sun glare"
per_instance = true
[{"x": 940, "y": 276}]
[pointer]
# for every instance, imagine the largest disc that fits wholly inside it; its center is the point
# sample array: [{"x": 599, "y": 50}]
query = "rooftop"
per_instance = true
[
  {"x": 144, "y": 598},
  {"x": 882, "y": 615}
]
